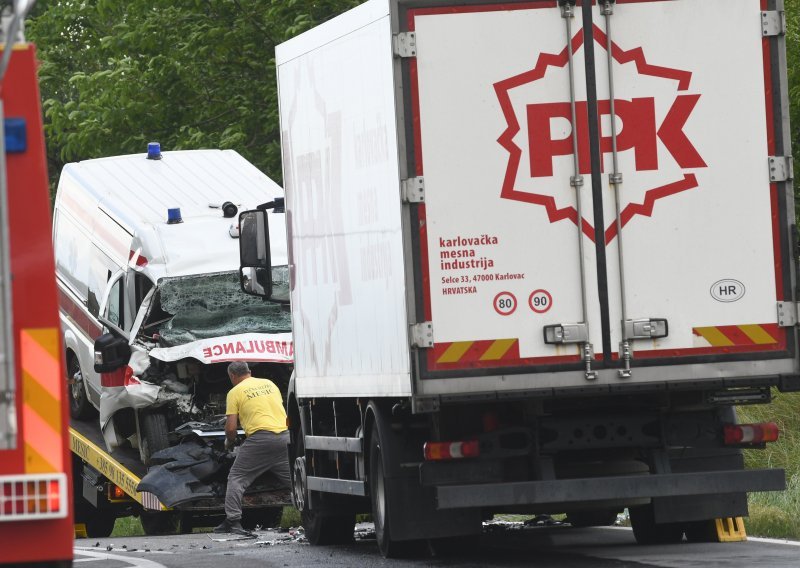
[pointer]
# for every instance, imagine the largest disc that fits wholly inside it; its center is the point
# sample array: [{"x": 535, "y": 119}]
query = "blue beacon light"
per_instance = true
[
  {"x": 174, "y": 216},
  {"x": 153, "y": 151}
]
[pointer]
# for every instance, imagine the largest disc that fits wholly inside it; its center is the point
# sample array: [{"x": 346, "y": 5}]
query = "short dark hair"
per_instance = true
[{"x": 238, "y": 369}]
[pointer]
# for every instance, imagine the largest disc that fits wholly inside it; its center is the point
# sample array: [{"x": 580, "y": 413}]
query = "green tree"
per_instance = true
[
  {"x": 187, "y": 73},
  {"x": 793, "y": 63}
]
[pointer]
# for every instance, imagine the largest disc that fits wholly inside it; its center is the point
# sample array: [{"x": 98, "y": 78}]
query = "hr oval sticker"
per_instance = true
[{"x": 727, "y": 290}]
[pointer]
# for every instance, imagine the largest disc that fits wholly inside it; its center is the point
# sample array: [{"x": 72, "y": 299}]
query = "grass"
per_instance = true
[
  {"x": 776, "y": 514},
  {"x": 128, "y": 526}
]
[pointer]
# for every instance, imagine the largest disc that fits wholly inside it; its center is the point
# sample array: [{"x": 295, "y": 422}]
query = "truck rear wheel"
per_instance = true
[
  {"x": 380, "y": 506},
  {"x": 647, "y": 531},
  {"x": 156, "y": 523},
  {"x": 80, "y": 408},
  {"x": 600, "y": 518},
  {"x": 153, "y": 435},
  {"x": 702, "y": 531},
  {"x": 99, "y": 524}
]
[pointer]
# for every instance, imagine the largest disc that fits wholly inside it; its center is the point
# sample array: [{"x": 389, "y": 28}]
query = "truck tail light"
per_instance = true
[
  {"x": 115, "y": 493},
  {"x": 451, "y": 450},
  {"x": 39, "y": 496},
  {"x": 750, "y": 434}
]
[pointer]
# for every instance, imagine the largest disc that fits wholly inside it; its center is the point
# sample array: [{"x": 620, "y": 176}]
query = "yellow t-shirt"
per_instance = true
[{"x": 259, "y": 404}]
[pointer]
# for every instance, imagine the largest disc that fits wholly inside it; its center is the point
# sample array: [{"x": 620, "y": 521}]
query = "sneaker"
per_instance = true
[{"x": 232, "y": 527}]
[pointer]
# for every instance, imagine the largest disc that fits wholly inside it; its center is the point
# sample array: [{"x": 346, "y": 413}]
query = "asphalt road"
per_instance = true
[{"x": 542, "y": 547}]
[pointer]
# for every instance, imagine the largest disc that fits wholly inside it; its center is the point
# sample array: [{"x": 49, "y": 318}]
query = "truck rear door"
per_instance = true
[{"x": 604, "y": 189}]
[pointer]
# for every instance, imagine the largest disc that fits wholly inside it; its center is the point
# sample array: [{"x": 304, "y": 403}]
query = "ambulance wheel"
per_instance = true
[
  {"x": 153, "y": 435},
  {"x": 157, "y": 523},
  {"x": 647, "y": 531},
  {"x": 80, "y": 408}
]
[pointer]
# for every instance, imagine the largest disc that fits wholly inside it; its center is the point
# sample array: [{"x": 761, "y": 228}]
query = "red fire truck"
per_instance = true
[{"x": 35, "y": 480}]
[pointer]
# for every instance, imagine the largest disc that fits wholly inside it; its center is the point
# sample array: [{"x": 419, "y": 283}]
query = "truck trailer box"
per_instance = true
[
  {"x": 429, "y": 156},
  {"x": 570, "y": 223}
]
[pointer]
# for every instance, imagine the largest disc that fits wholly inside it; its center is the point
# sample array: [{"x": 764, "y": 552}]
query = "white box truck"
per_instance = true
[{"x": 538, "y": 253}]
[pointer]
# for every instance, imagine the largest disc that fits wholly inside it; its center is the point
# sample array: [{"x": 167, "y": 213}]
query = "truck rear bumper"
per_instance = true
[{"x": 608, "y": 488}]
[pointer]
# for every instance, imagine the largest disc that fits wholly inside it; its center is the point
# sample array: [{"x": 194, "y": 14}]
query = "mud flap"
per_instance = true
[{"x": 415, "y": 515}]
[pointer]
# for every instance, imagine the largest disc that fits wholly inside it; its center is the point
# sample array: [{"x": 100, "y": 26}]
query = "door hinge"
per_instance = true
[
  {"x": 781, "y": 168},
  {"x": 773, "y": 23},
  {"x": 421, "y": 335},
  {"x": 646, "y": 328},
  {"x": 787, "y": 314},
  {"x": 566, "y": 333},
  {"x": 404, "y": 44},
  {"x": 412, "y": 190}
]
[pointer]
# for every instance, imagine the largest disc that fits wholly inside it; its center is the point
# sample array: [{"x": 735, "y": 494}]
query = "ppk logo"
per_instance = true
[{"x": 652, "y": 142}]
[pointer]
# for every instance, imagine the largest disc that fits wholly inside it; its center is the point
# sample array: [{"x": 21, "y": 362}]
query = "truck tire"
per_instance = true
[
  {"x": 380, "y": 506},
  {"x": 99, "y": 524},
  {"x": 702, "y": 531},
  {"x": 598, "y": 518},
  {"x": 321, "y": 527},
  {"x": 266, "y": 518},
  {"x": 153, "y": 435},
  {"x": 647, "y": 531},
  {"x": 80, "y": 407},
  {"x": 325, "y": 529},
  {"x": 158, "y": 523}
]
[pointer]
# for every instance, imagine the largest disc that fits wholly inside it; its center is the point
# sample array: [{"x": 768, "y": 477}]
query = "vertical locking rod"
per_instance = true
[
  {"x": 576, "y": 181},
  {"x": 615, "y": 180}
]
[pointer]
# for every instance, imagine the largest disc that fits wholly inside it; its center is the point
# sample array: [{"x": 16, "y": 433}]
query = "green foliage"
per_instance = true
[
  {"x": 128, "y": 526},
  {"x": 793, "y": 63},
  {"x": 776, "y": 514},
  {"x": 187, "y": 73}
]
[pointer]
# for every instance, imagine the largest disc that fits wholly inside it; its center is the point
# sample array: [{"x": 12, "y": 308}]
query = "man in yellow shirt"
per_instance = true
[{"x": 258, "y": 405}]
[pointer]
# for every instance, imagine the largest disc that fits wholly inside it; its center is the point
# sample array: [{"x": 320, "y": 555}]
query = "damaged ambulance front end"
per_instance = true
[{"x": 169, "y": 381}]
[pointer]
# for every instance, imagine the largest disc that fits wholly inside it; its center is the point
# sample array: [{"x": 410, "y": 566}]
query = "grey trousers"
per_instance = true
[{"x": 262, "y": 451}]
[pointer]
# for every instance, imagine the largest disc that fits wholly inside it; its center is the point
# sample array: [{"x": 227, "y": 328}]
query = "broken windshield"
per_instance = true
[{"x": 213, "y": 305}]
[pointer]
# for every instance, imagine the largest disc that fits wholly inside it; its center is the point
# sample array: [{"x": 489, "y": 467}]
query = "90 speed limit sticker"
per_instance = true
[
  {"x": 505, "y": 303},
  {"x": 540, "y": 301}
]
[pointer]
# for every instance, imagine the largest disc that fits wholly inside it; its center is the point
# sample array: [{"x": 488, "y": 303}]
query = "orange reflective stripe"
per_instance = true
[
  {"x": 40, "y": 358},
  {"x": 41, "y": 388},
  {"x": 43, "y": 444}
]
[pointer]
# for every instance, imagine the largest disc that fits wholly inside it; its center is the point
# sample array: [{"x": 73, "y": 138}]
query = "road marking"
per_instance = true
[
  {"x": 131, "y": 560},
  {"x": 773, "y": 541},
  {"x": 749, "y": 538}
]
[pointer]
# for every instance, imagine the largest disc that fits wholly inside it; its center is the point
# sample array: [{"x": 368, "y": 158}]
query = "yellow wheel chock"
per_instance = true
[{"x": 731, "y": 529}]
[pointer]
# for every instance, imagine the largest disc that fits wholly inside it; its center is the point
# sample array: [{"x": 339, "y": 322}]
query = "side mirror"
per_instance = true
[
  {"x": 110, "y": 353},
  {"x": 255, "y": 273}
]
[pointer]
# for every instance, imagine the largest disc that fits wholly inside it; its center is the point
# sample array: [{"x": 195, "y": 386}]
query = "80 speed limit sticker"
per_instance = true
[
  {"x": 540, "y": 301},
  {"x": 505, "y": 303}
]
